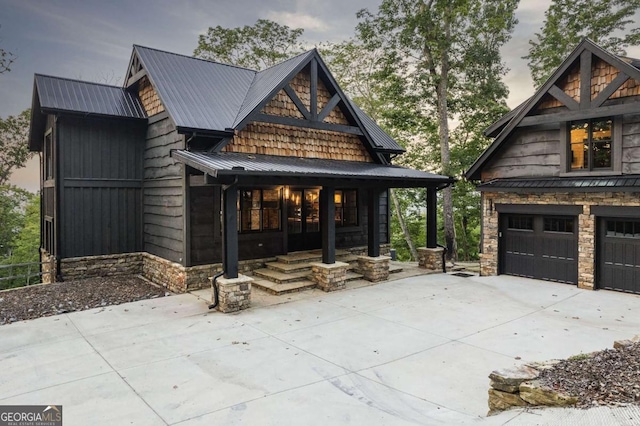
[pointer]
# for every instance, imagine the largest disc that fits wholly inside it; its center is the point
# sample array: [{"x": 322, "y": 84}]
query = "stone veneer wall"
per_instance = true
[
  {"x": 586, "y": 225},
  {"x": 48, "y": 267},
  {"x": 173, "y": 276}
]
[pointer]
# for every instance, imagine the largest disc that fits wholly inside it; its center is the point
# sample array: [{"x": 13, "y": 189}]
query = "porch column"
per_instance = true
[
  {"x": 373, "y": 227},
  {"x": 432, "y": 218},
  {"x": 230, "y": 232},
  {"x": 328, "y": 224}
]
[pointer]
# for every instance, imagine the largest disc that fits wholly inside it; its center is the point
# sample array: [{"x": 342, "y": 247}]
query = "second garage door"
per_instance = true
[
  {"x": 540, "y": 247},
  {"x": 619, "y": 254}
]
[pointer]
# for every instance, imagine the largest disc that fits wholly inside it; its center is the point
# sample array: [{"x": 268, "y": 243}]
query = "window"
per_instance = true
[
  {"x": 259, "y": 210},
  {"x": 552, "y": 224},
  {"x": 48, "y": 155},
  {"x": 346, "y": 201},
  {"x": 48, "y": 243},
  {"x": 522, "y": 223},
  {"x": 623, "y": 228},
  {"x": 590, "y": 144}
]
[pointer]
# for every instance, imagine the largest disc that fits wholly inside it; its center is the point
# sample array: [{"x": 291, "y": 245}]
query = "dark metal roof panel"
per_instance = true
[
  {"x": 567, "y": 183},
  {"x": 265, "y": 82},
  {"x": 256, "y": 164},
  {"x": 379, "y": 136},
  {"x": 198, "y": 94},
  {"x": 62, "y": 94}
]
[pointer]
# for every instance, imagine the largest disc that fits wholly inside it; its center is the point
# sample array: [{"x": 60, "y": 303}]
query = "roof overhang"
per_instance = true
[
  {"x": 227, "y": 167},
  {"x": 627, "y": 183}
]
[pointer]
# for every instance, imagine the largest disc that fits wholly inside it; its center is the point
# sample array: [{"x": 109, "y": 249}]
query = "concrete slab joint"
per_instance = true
[
  {"x": 374, "y": 269},
  {"x": 234, "y": 294},
  {"x": 329, "y": 276},
  {"x": 430, "y": 258}
]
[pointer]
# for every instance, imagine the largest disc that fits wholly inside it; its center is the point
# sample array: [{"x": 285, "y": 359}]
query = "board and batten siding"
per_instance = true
[
  {"x": 163, "y": 198},
  {"x": 529, "y": 152},
  {"x": 101, "y": 172}
]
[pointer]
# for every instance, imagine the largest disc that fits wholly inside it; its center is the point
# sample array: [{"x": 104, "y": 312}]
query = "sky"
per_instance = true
[{"x": 92, "y": 40}]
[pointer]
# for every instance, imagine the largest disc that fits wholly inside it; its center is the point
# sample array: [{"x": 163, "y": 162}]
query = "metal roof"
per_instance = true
[
  {"x": 266, "y": 81},
  {"x": 62, "y": 94},
  {"x": 198, "y": 94},
  {"x": 237, "y": 164},
  {"x": 568, "y": 184},
  {"x": 379, "y": 136}
]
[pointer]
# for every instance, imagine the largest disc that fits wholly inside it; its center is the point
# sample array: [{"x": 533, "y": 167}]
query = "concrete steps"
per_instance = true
[
  {"x": 393, "y": 269},
  {"x": 281, "y": 277},
  {"x": 284, "y": 288}
]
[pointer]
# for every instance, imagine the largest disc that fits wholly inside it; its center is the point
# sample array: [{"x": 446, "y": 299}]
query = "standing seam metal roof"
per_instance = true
[
  {"x": 62, "y": 94},
  {"x": 198, "y": 94}
]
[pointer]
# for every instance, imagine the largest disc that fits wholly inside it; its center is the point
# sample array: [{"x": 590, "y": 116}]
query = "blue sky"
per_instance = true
[{"x": 92, "y": 40}]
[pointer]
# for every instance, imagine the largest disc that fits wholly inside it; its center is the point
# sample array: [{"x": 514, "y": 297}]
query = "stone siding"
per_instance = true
[
  {"x": 586, "y": 225},
  {"x": 48, "y": 267},
  {"x": 234, "y": 294},
  {"x": 329, "y": 277},
  {"x": 374, "y": 269},
  {"x": 431, "y": 258},
  {"x": 75, "y": 268}
]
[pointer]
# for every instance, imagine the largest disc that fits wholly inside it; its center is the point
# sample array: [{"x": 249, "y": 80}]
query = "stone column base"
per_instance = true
[
  {"x": 329, "y": 276},
  {"x": 234, "y": 294},
  {"x": 374, "y": 269},
  {"x": 430, "y": 258}
]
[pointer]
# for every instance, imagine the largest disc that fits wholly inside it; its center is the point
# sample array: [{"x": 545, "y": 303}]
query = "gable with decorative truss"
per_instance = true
[{"x": 304, "y": 119}]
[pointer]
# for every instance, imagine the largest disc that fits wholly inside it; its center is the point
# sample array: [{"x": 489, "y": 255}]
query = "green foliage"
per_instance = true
[
  {"x": 567, "y": 22},
  {"x": 14, "y": 150},
  {"x": 257, "y": 47},
  {"x": 20, "y": 239}
]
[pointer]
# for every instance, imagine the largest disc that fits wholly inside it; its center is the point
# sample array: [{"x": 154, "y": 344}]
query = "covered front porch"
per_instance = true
[{"x": 296, "y": 203}]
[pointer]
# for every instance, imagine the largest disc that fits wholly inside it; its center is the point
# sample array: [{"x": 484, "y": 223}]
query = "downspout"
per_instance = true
[{"x": 214, "y": 286}]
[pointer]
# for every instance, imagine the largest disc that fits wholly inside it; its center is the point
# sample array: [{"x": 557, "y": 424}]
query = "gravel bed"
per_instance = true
[
  {"x": 58, "y": 298},
  {"x": 609, "y": 377}
]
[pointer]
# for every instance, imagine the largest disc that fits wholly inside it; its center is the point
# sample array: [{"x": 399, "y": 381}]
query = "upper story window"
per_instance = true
[
  {"x": 48, "y": 155},
  {"x": 590, "y": 144}
]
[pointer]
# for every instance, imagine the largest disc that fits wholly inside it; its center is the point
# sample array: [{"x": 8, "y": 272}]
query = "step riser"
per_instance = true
[
  {"x": 284, "y": 280},
  {"x": 286, "y": 270},
  {"x": 287, "y": 291}
]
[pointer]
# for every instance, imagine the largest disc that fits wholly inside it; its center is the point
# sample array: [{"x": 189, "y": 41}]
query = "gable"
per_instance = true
[
  {"x": 590, "y": 83},
  {"x": 149, "y": 97}
]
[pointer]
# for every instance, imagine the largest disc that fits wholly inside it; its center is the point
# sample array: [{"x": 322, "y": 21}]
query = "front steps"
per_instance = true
[{"x": 291, "y": 272}]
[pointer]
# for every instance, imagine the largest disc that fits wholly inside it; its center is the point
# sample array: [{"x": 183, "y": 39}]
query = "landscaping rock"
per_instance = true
[
  {"x": 514, "y": 376},
  {"x": 500, "y": 401},
  {"x": 535, "y": 393},
  {"x": 504, "y": 387},
  {"x": 621, "y": 344}
]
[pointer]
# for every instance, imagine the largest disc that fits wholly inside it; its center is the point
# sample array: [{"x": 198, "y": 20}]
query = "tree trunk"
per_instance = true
[
  {"x": 403, "y": 226},
  {"x": 443, "y": 124}
]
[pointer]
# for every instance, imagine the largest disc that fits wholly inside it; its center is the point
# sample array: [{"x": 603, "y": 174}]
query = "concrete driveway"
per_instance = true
[{"x": 412, "y": 351}]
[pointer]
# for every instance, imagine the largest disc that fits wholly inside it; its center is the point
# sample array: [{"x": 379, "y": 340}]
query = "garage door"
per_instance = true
[
  {"x": 540, "y": 247},
  {"x": 619, "y": 254}
]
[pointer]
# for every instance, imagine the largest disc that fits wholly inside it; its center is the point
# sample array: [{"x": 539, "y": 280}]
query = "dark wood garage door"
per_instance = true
[
  {"x": 619, "y": 254},
  {"x": 541, "y": 247}
]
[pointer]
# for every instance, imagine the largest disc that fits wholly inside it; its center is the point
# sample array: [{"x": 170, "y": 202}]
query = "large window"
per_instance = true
[
  {"x": 259, "y": 210},
  {"x": 48, "y": 155},
  {"x": 346, "y": 201},
  {"x": 590, "y": 143}
]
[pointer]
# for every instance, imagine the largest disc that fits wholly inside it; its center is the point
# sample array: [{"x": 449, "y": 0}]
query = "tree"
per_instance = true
[
  {"x": 12, "y": 204},
  {"x": 257, "y": 47},
  {"x": 6, "y": 59},
  {"x": 567, "y": 22},
  {"x": 432, "y": 50},
  {"x": 14, "y": 150}
]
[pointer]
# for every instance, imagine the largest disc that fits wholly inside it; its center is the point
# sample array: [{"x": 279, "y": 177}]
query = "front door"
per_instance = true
[{"x": 303, "y": 219}]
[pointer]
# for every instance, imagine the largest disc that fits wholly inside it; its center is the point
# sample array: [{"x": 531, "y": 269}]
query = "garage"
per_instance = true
[
  {"x": 618, "y": 258},
  {"x": 543, "y": 247}
]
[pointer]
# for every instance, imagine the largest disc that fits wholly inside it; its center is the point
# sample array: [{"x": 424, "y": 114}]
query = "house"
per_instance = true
[
  {"x": 194, "y": 166},
  {"x": 560, "y": 183}
]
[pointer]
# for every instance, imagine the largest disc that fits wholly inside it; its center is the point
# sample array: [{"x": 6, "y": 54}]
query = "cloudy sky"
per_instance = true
[{"x": 92, "y": 40}]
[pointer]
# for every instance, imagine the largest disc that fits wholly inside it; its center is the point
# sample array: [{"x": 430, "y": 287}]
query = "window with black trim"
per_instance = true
[
  {"x": 259, "y": 210},
  {"x": 558, "y": 224},
  {"x": 346, "y": 201},
  {"x": 48, "y": 156},
  {"x": 590, "y": 143},
  {"x": 623, "y": 228},
  {"x": 521, "y": 223}
]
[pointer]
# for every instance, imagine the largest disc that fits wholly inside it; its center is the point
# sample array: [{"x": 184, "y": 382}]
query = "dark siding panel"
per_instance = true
[
  {"x": 163, "y": 192},
  {"x": 631, "y": 144},
  {"x": 357, "y": 236},
  {"x": 101, "y": 163},
  {"x": 205, "y": 235}
]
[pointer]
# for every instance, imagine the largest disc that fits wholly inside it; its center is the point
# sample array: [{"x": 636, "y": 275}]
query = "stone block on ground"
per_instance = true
[
  {"x": 500, "y": 401},
  {"x": 514, "y": 376},
  {"x": 536, "y": 393}
]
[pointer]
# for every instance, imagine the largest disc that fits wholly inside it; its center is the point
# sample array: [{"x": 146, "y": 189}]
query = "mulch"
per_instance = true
[
  {"x": 609, "y": 377},
  {"x": 58, "y": 298}
]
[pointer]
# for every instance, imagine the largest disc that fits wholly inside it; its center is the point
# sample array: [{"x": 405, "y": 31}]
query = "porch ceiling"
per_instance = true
[{"x": 272, "y": 169}]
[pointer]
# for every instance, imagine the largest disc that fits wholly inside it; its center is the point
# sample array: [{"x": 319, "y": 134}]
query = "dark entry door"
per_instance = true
[
  {"x": 303, "y": 219},
  {"x": 619, "y": 255},
  {"x": 540, "y": 247}
]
